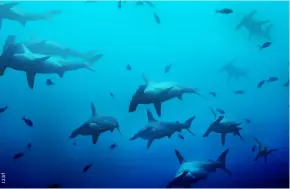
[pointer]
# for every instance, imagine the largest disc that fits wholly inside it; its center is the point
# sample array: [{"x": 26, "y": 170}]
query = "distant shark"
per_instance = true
[
  {"x": 18, "y": 57},
  {"x": 263, "y": 151},
  {"x": 158, "y": 92},
  {"x": 8, "y": 12},
  {"x": 96, "y": 125},
  {"x": 224, "y": 128},
  {"x": 51, "y": 48},
  {"x": 191, "y": 172},
  {"x": 255, "y": 27},
  {"x": 158, "y": 129},
  {"x": 233, "y": 71}
]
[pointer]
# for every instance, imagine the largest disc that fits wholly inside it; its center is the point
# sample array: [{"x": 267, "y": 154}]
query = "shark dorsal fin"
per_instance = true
[
  {"x": 150, "y": 116},
  {"x": 146, "y": 80},
  {"x": 179, "y": 157},
  {"x": 93, "y": 108}
]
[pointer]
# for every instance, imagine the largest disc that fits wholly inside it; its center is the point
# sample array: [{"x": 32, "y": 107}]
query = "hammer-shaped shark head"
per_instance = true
[{"x": 136, "y": 98}]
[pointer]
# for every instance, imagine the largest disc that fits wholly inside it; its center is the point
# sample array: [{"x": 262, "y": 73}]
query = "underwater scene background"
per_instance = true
[{"x": 198, "y": 42}]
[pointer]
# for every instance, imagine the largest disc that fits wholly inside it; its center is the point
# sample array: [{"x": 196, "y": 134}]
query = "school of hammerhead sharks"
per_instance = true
[{"x": 48, "y": 57}]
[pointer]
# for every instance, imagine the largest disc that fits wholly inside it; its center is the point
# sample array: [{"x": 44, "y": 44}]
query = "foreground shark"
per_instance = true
[
  {"x": 255, "y": 27},
  {"x": 157, "y": 129},
  {"x": 18, "y": 57},
  {"x": 8, "y": 11},
  {"x": 54, "y": 49},
  {"x": 191, "y": 172},
  {"x": 158, "y": 92},
  {"x": 96, "y": 125},
  {"x": 263, "y": 151},
  {"x": 233, "y": 71},
  {"x": 224, "y": 128}
]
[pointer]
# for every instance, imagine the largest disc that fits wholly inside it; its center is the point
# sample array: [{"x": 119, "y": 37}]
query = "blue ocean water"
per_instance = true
[{"x": 197, "y": 42}]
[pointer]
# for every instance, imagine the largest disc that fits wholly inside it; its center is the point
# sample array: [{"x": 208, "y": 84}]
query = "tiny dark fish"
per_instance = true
[
  {"x": 3, "y": 109},
  {"x": 128, "y": 67},
  {"x": 220, "y": 111},
  {"x": 239, "y": 92},
  {"x": 253, "y": 148},
  {"x": 212, "y": 94},
  {"x": 87, "y": 167},
  {"x": 272, "y": 79},
  {"x": 261, "y": 83},
  {"x": 113, "y": 146},
  {"x": 18, "y": 155},
  {"x": 180, "y": 136},
  {"x": 167, "y": 68},
  {"x": 224, "y": 11},
  {"x": 75, "y": 143},
  {"x": 247, "y": 120},
  {"x": 156, "y": 17},
  {"x": 112, "y": 95},
  {"x": 29, "y": 146},
  {"x": 265, "y": 45},
  {"x": 286, "y": 84},
  {"x": 213, "y": 112},
  {"x": 28, "y": 122},
  {"x": 49, "y": 82},
  {"x": 119, "y": 4},
  {"x": 54, "y": 186}
]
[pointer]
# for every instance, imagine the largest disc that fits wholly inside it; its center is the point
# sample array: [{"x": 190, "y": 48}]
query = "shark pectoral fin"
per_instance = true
[
  {"x": 157, "y": 106},
  {"x": 60, "y": 74},
  {"x": 180, "y": 97},
  {"x": 95, "y": 138},
  {"x": 2, "y": 70},
  {"x": 149, "y": 143},
  {"x": 190, "y": 132},
  {"x": 23, "y": 22},
  {"x": 223, "y": 138},
  {"x": 30, "y": 76}
]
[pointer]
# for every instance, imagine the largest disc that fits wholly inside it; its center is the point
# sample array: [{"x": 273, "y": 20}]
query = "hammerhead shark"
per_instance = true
[
  {"x": 158, "y": 129},
  {"x": 191, "y": 172},
  {"x": 255, "y": 27},
  {"x": 8, "y": 11},
  {"x": 224, "y": 128},
  {"x": 233, "y": 71},
  {"x": 96, "y": 125},
  {"x": 263, "y": 151}
]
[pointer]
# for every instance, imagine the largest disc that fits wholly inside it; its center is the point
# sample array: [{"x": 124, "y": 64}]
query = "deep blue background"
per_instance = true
[{"x": 191, "y": 37}]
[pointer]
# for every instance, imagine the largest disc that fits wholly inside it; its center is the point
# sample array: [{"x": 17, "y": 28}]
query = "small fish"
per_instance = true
[
  {"x": 213, "y": 112},
  {"x": 265, "y": 45},
  {"x": 247, "y": 120},
  {"x": 119, "y": 4},
  {"x": 54, "y": 186},
  {"x": 180, "y": 136},
  {"x": 212, "y": 94},
  {"x": 18, "y": 155},
  {"x": 220, "y": 111},
  {"x": 112, "y": 95},
  {"x": 49, "y": 82},
  {"x": 3, "y": 109},
  {"x": 128, "y": 67},
  {"x": 224, "y": 11},
  {"x": 113, "y": 146},
  {"x": 29, "y": 146},
  {"x": 239, "y": 92},
  {"x": 167, "y": 68},
  {"x": 28, "y": 122},
  {"x": 156, "y": 17},
  {"x": 253, "y": 148},
  {"x": 272, "y": 79},
  {"x": 87, "y": 167},
  {"x": 75, "y": 143},
  {"x": 286, "y": 84},
  {"x": 261, "y": 83}
]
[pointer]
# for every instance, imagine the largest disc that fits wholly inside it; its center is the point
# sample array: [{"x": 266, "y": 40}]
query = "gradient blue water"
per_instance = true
[{"x": 191, "y": 37}]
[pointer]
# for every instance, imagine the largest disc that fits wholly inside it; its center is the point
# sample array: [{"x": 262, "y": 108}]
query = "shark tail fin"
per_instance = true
[
  {"x": 188, "y": 123},
  {"x": 222, "y": 160},
  {"x": 179, "y": 157},
  {"x": 212, "y": 126}
]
